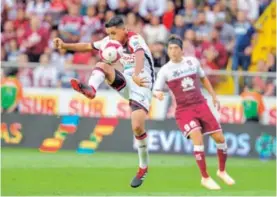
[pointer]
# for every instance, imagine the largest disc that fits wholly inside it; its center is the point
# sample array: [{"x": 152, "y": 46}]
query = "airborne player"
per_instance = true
[
  {"x": 135, "y": 83},
  {"x": 193, "y": 115}
]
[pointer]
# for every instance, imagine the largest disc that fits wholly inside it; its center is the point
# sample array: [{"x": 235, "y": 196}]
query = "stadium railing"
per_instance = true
[{"x": 226, "y": 82}]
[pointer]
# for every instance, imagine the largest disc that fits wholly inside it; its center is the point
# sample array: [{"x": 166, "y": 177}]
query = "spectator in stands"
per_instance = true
[
  {"x": 168, "y": 16},
  {"x": 60, "y": 59},
  {"x": 201, "y": 27},
  {"x": 189, "y": 12},
  {"x": 45, "y": 75},
  {"x": 226, "y": 33},
  {"x": 108, "y": 15},
  {"x": 3, "y": 55},
  {"x": 7, "y": 35},
  {"x": 11, "y": 91},
  {"x": 65, "y": 76},
  {"x": 265, "y": 85},
  {"x": 159, "y": 54},
  {"x": 179, "y": 26},
  {"x": 13, "y": 51},
  {"x": 252, "y": 104},
  {"x": 242, "y": 49},
  {"x": 231, "y": 11},
  {"x": 102, "y": 8},
  {"x": 92, "y": 24},
  {"x": 189, "y": 44},
  {"x": 155, "y": 31},
  {"x": 21, "y": 25},
  {"x": 21, "y": 22},
  {"x": 133, "y": 23},
  {"x": 57, "y": 9},
  {"x": 6, "y": 6},
  {"x": 35, "y": 40},
  {"x": 58, "y": 6},
  {"x": 214, "y": 52},
  {"x": 154, "y": 7},
  {"x": 25, "y": 73},
  {"x": 123, "y": 8},
  {"x": 37, "y": 7},
  {"x": 71, "y": 24},
  {"x": 251, "y": 7},
  {"x": 213, "y": 13}
]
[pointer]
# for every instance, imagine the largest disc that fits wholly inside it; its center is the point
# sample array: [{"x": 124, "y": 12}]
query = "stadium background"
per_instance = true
[{"x": 235, "y": 41}]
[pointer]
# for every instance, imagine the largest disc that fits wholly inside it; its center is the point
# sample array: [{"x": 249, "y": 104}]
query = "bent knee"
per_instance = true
[
  {"x": 219, "y": 137},
  {"x": 138, "y": 129},
  {"x": 102, "y": 66}
]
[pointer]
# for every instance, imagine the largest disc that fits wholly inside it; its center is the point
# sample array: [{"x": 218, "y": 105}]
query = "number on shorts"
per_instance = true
[
  {"x": 187, "y": 127},
  {"x": 192, "y": 124}
]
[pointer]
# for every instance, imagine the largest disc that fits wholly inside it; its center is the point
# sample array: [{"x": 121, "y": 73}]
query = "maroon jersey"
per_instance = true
[{"x": 183, "y": 80}]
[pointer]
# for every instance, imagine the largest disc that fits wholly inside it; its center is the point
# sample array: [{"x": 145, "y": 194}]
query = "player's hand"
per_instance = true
[
  {"x": 158, "y": 95},
  {"x": 58, "y": 43},
  {"x": 216, "y": 103},
  {"x": 140, "y": 81}
]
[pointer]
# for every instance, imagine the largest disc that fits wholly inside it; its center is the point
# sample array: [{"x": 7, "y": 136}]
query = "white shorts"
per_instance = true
[{"x": 139, "y": 97}]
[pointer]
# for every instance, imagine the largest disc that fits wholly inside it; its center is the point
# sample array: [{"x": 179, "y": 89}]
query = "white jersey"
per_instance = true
[
  {"x": 135, "y": 43},
  {"x": 183, "y": 80}
]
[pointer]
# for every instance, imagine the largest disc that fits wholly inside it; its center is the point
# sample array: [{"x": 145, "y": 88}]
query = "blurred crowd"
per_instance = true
[{"x": 213, "y": 30}]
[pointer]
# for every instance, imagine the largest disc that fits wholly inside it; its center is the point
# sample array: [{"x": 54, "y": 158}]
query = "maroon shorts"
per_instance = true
[{"x": 198, "y": 116}]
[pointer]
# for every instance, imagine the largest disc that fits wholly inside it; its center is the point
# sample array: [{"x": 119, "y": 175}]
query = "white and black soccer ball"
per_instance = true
[{"x": 110, "y": 51}]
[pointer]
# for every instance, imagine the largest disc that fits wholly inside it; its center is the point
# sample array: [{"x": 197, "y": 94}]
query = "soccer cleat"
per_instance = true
[
  {"x": 138, "y": 179},
  {"x": 209, "y": 183},
  {"x": 225, "y": 177},
  {"x": 89, "y": 92}
]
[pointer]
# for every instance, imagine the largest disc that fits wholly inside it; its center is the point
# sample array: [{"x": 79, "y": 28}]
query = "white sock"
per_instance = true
[
  {"x": 97, "y": 77},
  {"x": 222, "y": 146},
  {"x": 142, "y": 150}
]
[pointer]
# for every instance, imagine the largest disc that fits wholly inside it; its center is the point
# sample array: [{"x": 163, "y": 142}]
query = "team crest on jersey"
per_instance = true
[{"x": 187, "y": 84}]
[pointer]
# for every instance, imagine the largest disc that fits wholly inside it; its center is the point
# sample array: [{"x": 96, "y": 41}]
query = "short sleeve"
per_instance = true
[
  {"x": 97, "y": 45},
  {"x": 200, "y": 71},
  {"x": 135, "y": 43}
]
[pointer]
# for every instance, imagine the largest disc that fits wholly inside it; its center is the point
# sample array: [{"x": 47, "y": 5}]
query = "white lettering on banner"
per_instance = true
[
  {"x": 237, "y": 144},
  {"x": 174, "y": 141},
  {"x": 153, "y": 140},
  {"x": 66, "y": 101}
]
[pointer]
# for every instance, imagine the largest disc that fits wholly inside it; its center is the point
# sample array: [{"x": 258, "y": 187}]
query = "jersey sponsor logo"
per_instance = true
[
  {"x": 179, "y": 73},
  {"x": 187, "y": 84}
]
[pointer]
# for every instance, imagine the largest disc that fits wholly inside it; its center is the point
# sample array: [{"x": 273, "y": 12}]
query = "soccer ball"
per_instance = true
[{"x": 110, "y": 51}]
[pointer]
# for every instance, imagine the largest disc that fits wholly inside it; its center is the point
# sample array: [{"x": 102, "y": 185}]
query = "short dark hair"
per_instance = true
[
  {"x": 174, "y": 39},
  {"x": 115, "y": 21}
]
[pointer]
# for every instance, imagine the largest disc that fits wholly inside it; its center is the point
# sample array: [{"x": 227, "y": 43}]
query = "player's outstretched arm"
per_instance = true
[{"x": 79, "y": 47}]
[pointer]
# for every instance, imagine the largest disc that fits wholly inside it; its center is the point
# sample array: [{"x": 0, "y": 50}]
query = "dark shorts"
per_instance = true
[{"x": 198, "y": 116}]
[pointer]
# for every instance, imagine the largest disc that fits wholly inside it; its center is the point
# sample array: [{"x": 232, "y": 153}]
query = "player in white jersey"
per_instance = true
[
  {"x": 193, "y": 115},
  {"x": 134, "y": 84}
]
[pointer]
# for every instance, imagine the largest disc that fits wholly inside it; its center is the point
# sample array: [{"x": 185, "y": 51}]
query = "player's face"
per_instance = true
[
  {"x": 175, "y": 53},
  {"x": 116, "y": 33}
]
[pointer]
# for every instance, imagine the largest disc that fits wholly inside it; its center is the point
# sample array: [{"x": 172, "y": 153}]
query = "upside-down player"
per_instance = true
[
  {"x": 138, "y": 68},
  {"x": 193, "y": 115}
]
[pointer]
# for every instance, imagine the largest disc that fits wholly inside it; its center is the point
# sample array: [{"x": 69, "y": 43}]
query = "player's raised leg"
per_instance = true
[
  {"x": 101, "y": 72},
  {"x": 138, "y": 117},
  {"x": 222, "y": 157},
  {"x": 198, "y": 151}
]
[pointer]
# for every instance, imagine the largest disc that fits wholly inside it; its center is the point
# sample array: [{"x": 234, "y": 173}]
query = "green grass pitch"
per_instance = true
[{"x": 28, "y": 172}]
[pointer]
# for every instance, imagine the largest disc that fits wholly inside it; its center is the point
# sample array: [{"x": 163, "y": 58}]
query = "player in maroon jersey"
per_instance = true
[
  {"x": 193, "y": 115},
  {"x": 134, "y": 84}
]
